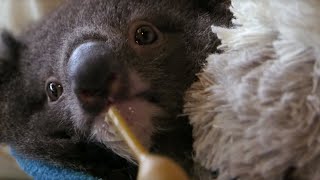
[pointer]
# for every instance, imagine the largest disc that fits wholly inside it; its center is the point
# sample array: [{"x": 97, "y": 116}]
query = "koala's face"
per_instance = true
[{"x": 61, "y": 77}]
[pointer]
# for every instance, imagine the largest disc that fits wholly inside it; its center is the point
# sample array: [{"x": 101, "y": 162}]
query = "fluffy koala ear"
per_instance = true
[
  {"x": 211, "y": 5},
  {"x": 9, "y": 55},
  {"x": 218, "y": 9}
]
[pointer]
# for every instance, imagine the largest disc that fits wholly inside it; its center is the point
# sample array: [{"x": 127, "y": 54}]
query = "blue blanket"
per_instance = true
[{"x": 44, "y": 171}]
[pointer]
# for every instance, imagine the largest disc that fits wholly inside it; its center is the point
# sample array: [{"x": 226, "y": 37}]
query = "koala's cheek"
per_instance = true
[{"x": 139, "y": 115}]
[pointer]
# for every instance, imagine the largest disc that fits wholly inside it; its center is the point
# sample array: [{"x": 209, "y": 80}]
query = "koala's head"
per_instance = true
[{"x": 61, "y": 76}]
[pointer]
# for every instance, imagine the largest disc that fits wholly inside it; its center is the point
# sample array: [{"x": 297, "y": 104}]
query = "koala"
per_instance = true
[{"x": 59, "y": 77}]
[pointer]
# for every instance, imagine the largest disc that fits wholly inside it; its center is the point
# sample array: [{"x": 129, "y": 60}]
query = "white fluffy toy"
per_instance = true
[
  {"x": 256, "y": 109},
  {"x": 15, "y": 15}
]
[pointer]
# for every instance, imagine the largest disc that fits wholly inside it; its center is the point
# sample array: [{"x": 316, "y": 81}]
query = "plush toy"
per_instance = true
[
  {"x": 255, "y": 110},
  {"x": 15, "y": 15}
]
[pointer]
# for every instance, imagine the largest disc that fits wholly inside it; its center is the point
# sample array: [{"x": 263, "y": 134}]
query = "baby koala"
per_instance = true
[{"x": 58, "y": 79}]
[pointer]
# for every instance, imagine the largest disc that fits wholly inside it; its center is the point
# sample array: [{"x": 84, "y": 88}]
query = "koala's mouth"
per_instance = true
[
  {"x": 148, "y": 96},
  {"x": 139, "y": 110}
]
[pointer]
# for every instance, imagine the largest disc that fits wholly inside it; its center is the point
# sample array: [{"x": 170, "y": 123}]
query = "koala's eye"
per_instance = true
[
  {"x": 54, "y": 90},
  {"x": 145, "y": 38},
  {"x": 145, "y": 35}
]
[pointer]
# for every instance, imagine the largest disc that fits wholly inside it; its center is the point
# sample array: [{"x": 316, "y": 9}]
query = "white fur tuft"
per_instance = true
[{"x": 256, "y": 108}]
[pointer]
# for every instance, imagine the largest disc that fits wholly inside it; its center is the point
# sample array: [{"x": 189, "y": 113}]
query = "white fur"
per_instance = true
[
  {"x": 255, "y": 110},
  {"x": 15, "y": 15}
]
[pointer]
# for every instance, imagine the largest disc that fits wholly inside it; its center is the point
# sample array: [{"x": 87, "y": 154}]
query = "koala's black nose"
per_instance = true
[{"x": 92, "y": 71}]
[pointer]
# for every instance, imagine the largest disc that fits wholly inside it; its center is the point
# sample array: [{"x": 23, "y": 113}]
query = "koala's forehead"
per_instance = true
[
  {"x": 118, "y": 13},
  {"x": 109, "y": 17}
]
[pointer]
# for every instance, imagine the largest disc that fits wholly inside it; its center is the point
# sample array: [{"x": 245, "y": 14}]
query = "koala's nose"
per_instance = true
[{"x": 92, "y": 71}]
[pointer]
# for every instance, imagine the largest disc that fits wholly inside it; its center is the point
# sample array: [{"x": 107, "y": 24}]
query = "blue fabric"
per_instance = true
[{"x": 44, "y": 171}]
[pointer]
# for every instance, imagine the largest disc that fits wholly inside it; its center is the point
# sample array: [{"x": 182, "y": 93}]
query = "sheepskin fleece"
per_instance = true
[{"x": 256, "y": 108}]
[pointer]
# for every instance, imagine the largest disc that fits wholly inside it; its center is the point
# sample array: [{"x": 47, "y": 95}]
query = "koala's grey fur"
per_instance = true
[{"x": 43, "y": 130}]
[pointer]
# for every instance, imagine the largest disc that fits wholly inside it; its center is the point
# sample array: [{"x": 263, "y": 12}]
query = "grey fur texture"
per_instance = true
[{"x": 59, "y": 132}]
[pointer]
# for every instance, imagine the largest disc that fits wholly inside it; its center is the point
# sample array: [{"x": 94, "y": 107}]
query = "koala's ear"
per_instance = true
[
  {"x": 9, "y": 55},
  {"x": 218, "y": 9},
  {"x": 212, "y": 5}
]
